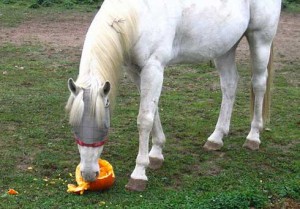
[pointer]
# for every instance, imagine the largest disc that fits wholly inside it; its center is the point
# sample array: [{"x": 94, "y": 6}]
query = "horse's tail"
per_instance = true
[{"x": 267, "y": 96}]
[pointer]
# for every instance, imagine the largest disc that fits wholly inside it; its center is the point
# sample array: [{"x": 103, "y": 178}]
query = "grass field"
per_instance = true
[{"x": 38, "y": 154}]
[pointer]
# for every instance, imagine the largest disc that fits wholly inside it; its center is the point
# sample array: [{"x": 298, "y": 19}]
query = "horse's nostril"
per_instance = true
[{"x": 97, "y": 174}]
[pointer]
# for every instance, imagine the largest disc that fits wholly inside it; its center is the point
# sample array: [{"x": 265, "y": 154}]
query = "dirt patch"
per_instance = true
[
  {"x": 63, "y": 31},
  {"x": 285, "y": 148},
  {"x": 211, "y": 167},
  {"x": 207, "y": 169},
  {"x": 287, "y": 41},
  {"x": 285, "y": 204},
  {"x": 60, "y": 31},
  {"x": 286, "y": 44},
  {"x": 25, "y": 163}
]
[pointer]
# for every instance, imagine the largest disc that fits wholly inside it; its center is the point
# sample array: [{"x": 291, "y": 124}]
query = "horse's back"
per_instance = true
[
  {"x": 194, "y": 30},
  {"x": 190, "y": 31}
]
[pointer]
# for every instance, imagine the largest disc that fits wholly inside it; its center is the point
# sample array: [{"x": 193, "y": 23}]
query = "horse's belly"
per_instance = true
[{"x": 196, "y": 50}]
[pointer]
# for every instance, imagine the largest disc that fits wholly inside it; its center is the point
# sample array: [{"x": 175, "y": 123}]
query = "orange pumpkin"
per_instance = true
[
  {"x": 12, "y": 192},
  {"x": 104, "y": 181}
]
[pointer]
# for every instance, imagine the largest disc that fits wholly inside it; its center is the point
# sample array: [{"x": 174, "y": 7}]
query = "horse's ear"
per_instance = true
[
  {"x": 72, "y": 87},
  {"x": 106, "y": 88}
]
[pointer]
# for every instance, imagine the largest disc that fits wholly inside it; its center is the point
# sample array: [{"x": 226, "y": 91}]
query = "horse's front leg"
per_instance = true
[
  {"x": 158, "y": 137},
  {"x": 158, "y": 140},
  {"x": 150, "y": 87}
]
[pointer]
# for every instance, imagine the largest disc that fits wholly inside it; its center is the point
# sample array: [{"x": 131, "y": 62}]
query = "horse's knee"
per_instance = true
[{"x": 145, "y": 121}]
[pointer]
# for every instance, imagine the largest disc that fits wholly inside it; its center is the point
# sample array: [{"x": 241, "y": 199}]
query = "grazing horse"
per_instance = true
[{"x": 145, "y": 36}]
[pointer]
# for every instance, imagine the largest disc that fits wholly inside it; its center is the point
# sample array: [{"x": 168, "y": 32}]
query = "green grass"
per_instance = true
[
  {"x": 38, "y": 152},
  {"x": 291, "y": 6},
  {"x": 12, "y": 14}
]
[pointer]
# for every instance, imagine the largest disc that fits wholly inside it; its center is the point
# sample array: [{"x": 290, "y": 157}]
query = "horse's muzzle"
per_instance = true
[{"x": 89, "y": 176}]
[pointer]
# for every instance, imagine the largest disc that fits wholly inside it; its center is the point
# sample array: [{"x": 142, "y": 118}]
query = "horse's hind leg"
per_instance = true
[
  {"x": 260, "y": 46},
  {"x": 228, "y": 79}
]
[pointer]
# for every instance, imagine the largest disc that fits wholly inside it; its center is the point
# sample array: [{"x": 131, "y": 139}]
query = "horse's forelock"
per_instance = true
[
  {"x": 99, "y": 111},
  {"x": 96, "y": 104},
  {"x": 76, "y": 108}
]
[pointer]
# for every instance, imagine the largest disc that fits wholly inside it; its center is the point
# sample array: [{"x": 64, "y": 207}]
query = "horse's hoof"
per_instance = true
[
  {"x": 252, "y": 145},
  {"x": 212, "y": 146},
  {"x": 136, "y": 185},
  {"x": 155, "y": 163}
]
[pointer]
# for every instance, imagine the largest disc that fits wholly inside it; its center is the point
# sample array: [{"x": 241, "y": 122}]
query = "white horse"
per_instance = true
[{"x": 145, "y": 36}]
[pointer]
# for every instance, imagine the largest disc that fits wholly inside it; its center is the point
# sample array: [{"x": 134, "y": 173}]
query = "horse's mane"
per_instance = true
[{"x": 107, "y": 44}]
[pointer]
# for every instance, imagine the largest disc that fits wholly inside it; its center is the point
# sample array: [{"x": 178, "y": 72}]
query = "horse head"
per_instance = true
[{"x": 90, "y": 119}]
